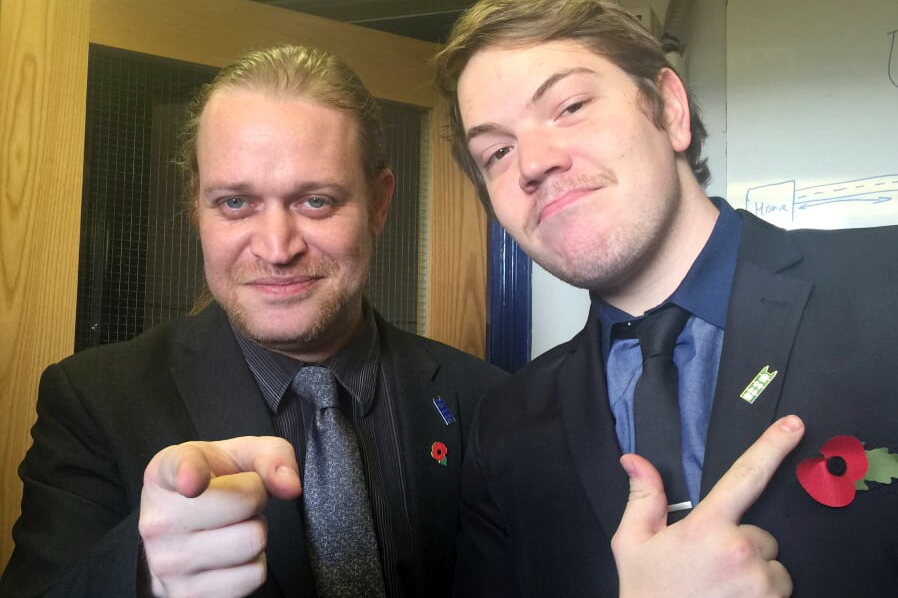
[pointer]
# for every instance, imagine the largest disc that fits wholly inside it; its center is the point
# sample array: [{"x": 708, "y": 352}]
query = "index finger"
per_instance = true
[
  {"x": 746, "y": 479},
  {"x": 187, "y": 468},
  {"x": 272, "y": 457}
]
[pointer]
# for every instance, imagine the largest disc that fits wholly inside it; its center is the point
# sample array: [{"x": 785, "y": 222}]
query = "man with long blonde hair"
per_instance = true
[{"x": 285, "y": 440}]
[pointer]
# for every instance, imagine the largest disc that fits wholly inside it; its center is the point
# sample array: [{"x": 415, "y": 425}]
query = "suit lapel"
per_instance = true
[
  {"x": 430, "y": 486},
  {"x": 589, "y": 426},
  {"x": 216, "y": 385},
  {"x": 223, "y": 401},
  {"x": 762, "y": 320}
]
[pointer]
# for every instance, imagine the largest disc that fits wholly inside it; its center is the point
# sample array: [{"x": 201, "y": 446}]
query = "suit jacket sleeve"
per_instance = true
[
  {"x": 72, "y": 497},
  {"x": 485, "y": 563}
]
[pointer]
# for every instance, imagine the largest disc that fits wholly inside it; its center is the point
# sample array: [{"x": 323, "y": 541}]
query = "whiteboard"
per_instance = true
[{"x": 812, "y": 111}]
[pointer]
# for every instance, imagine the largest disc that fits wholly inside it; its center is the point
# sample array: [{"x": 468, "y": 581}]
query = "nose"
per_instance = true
[
  {"x": 539, "y": 156},
  {"x": 278, "y": 238}
]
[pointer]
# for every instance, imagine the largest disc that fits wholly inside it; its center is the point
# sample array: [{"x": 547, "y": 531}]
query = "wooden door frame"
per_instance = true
[{"x": 43, "y": 64}]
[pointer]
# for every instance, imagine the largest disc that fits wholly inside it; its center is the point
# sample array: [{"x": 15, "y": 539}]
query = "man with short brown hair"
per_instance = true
[{"x": 706, "y": 326}]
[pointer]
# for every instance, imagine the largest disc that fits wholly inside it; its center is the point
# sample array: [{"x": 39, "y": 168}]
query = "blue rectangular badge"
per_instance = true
[{"x": 441, "y": 406}]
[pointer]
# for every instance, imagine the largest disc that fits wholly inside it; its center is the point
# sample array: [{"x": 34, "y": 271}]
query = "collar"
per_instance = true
[
  {"x": 705, "y": 291},
  {"x": 355, "y": 366}
]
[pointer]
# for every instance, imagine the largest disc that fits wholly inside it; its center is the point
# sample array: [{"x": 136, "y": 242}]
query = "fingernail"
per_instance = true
[
  {"x": 791, "y": 423},
  {"x": 627, "y": 464}
]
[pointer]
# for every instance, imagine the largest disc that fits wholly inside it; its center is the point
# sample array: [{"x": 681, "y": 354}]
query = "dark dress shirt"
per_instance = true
[
  {"x": 367, "y": 401},
  {"x": 704, "y": 293}
]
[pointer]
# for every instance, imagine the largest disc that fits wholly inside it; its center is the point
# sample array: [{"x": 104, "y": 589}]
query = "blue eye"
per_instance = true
[
  {"x": 234, "y": 203},
  {"x": 316, "y": 201}
]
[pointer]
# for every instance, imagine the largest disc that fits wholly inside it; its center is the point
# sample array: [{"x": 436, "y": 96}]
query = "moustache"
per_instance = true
[{"x": 548, "y": 192}]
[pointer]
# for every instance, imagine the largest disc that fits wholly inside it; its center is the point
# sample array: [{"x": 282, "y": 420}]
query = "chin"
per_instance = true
[
  {"x": 277, "y": 332},
  {"x": 275, "y": 326},
  {"x": 292, "y": 324},
  {"x": 308, "y": 343}
]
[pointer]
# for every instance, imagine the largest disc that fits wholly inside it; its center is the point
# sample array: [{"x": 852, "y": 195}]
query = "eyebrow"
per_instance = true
[
  {"x": 540, "y": 92},
  {"x": 548, "y": 83},
  {"x": 218, "y": 188},
  {"x": 241, "y": 188}
]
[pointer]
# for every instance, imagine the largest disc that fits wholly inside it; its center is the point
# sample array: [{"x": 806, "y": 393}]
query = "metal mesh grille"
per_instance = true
[
  {"x": 393, "y": 285},
  {"x": 140, "y": 261}
]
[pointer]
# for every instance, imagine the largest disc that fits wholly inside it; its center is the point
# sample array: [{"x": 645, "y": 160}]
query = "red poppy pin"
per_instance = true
[
  {"x": 845, "y": 468},
  {"x": 439, "y": 451}
]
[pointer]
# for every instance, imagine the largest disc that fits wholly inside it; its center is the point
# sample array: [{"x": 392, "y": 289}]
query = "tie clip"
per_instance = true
[{"x": 679, "y": 506}]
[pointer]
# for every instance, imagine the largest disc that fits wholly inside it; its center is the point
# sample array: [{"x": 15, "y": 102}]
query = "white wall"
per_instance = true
[
  {"x": 559, "y": 310},
  {"x": 706, "y": 63},
  {"x": 810, "y": 86}
]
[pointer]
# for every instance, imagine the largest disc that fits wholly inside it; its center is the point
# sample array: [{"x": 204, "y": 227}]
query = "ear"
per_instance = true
[
  {"x": 676, "y": 109},
  {"x": 381, "y": 196}
]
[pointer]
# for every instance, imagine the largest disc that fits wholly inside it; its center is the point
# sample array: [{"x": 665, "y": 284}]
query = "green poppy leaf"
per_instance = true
[{"x": 883, "y": 466}]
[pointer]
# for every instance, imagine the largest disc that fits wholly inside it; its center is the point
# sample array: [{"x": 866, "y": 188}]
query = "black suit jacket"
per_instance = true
[
  {"x": 542, "y": 489},
  {"x": 104, "y": 413}
]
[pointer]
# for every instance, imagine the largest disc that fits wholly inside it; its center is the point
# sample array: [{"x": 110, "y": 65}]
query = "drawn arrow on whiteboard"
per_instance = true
[
  {"x": 873, "y": 190},
  {"x": 817, "y": 203}
]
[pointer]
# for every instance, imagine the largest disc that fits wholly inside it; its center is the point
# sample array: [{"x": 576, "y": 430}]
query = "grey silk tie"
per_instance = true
[
  {"x": 656, "y": 408},
  {"x": 339, "y": 528}
]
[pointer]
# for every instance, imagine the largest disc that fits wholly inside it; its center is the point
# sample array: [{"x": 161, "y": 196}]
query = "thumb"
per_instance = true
[{"x": 646, "y": 512}]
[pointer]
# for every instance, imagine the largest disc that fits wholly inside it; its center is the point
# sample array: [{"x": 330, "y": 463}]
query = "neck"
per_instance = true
[{"x": 689, "y": 230}]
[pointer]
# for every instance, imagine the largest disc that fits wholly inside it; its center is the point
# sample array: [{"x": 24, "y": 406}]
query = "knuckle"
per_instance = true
[
  {"x": 258, "y": 536},
  {"x": 760, "y": 581},
  {"x": 740, "y": 552},
  {"x": 278, "y": 443},
  {"x": 748, "y": 471},
  {"x": 640, "y": 494},
  {"x": 258, "y": 571},
  {"x": 152, "y": 524},
  {"x": 618, "y": 543},
  {"x": 749, "y": 583},
  {"x": 257, "y": 494},
  {"x": 251, "y": 492},
  {"x": 164, "y": 565},
  {"x": 780, "y": 580},
  {"x": 252, "y": 576}
]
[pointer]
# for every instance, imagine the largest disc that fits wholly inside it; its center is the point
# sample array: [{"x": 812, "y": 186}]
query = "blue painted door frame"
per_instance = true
[{"x": 509, "y": 308}]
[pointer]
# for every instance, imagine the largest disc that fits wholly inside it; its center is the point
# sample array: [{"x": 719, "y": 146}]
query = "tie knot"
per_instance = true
[
  {"x": 658, "y": 331},
  {"x": 316, "y": 384}
]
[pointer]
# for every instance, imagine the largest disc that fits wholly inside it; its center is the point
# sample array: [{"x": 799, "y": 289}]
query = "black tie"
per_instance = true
[{"x": 656, "y": 408}]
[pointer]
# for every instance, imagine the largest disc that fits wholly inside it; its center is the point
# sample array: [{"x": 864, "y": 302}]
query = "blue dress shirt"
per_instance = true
[{"x": 705, "y": 293}]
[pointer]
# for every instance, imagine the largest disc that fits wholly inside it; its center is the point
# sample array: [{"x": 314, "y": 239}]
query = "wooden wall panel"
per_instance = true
[
  {"x": 43, "y": 67},
  {"x": 215, "y": 32},
  {"x": 457, "y": 285}
]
